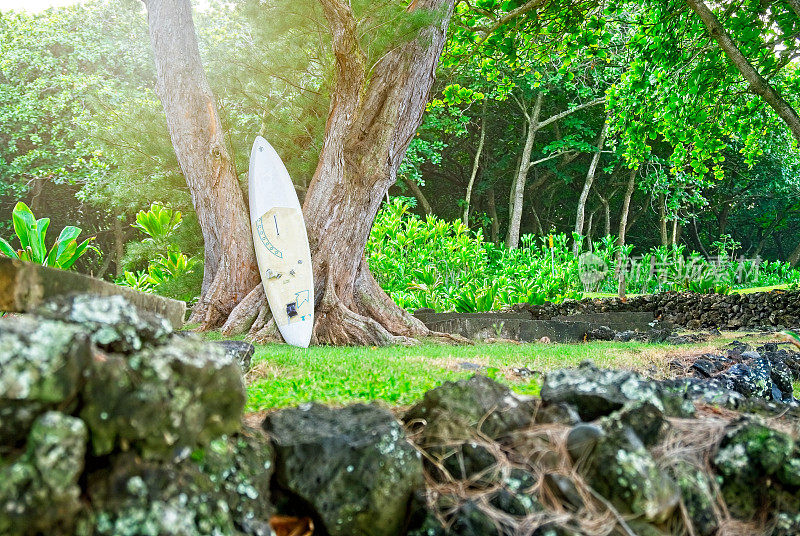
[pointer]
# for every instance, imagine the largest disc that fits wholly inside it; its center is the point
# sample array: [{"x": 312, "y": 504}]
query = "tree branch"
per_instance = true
[
  {"x": 565, "y": 113},
  {"x": 758, "y": 84}
]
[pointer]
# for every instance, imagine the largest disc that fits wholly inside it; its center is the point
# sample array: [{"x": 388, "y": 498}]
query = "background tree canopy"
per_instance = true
[{"x": 522, "y": 93}]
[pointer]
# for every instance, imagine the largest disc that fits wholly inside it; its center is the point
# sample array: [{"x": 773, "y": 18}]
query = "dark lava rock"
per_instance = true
[
  {"x": 471, "y": 520},
  {"x": 468, "y": 461},
  {"x": 602, "y": 333},
  {"x": 39, "y": 492},
  {"x": 582, "y": 440},
  {"x": 456, "y": 411},
  {"x": 751, "y": 460},
  {"x": 352, "y": 465},
  {"x": 163, "y": 398},
  {"x": 564, "y": 488},
  {"x": 705, "y": 368},
  {"x": 41, "y": 367},
  {"x": 240, "y": 351},
  {"x": 113, "y": 323},
  {"x": 557, "y": 413},
  {"x": 597, "y": 392}
]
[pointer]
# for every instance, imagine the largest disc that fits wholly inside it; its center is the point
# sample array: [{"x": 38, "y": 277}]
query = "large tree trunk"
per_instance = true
[
  {"x": 757, "y": 84},
  {"x": 794, "y": 257},
  {"x": 515, "y": 212},
  {"x": 468, "y": 196},
  {"x": 587, "y": 186},
  {"x": 197, "y": 136},
  {"x": 375, "y": 111}
]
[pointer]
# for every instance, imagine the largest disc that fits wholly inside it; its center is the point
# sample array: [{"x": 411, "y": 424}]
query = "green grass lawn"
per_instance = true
[{"x": 282, "y": 375}]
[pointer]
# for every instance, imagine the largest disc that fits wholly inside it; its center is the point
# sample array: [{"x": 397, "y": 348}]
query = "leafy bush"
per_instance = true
[
  {"x": 169, "y": 272},
  {"x": 31, "y": 234},
  {"x": 445, "y": 266}
]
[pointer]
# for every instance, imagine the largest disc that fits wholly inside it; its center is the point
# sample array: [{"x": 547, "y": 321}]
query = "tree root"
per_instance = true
[
  {"x": 245, "y": 314},
  {"x": 372, "y": 319}
]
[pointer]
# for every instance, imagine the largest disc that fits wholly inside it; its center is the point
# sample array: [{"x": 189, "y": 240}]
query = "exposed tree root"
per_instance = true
[
  {"x": 373, "y": 319},
  {"x": 245, "y": 313},
  {"x": 338, "y": 325}
]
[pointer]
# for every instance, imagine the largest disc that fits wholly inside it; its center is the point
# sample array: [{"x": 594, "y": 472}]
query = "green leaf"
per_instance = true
[
  {"x": 7, "y": 250},
  {"x": 24, "y": 221}
]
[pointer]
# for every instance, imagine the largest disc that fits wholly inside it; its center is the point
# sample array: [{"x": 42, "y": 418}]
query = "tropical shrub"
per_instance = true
[
  {"x": 443, "y": 265},
  {"x": 169, "y": 272},
  {"x": 32, "y": 233}
]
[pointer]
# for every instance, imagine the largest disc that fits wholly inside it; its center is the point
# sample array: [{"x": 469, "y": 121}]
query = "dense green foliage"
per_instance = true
[
  {"x": 443, "y": 265},
  {"x": 169, "y": 271},
  {"x": 83, "y": 138},
  {"x": 32, "y": 236}
]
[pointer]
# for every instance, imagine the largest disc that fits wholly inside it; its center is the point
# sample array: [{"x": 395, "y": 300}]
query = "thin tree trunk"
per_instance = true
[
  {"x": 662, "y": 221},
  {"x": 197, "y": 137},
  {"x": 515, "y": 218},
  {"x": 590, "y": 230},
  {"x": 587, "y": 186},
  {"x": 417, "y": 191},
  {"x": 623, "y": 228},
  {"x": 537, "y": 221},
  {"x": 697, "y": 237},
  {"x": 119, "y": 246},
  {"x": 375, "y": 111},
  {"x": 465, "y": 217},
  {"x": 606, "y": 212},
  {"x": 493, "y": 215},
  {"x": 758, "y": 85},
  {"x": 674, "y": 241},
  {"x": 768, "y": 232}
]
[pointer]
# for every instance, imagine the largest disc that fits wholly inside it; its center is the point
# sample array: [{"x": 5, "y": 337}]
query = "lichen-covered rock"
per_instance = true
[
  {"x": 644, "y": 418},
  {"x": 712, "y": 391},
  {"x": 617, "y": 465},
  {"x": 136, "y": 497},
  {"x": 162, "y": 398},
  {"x": 597, "y": 392},
  {"x": 241, "y": 467},
  {"x": 786, "y": 524},
  {"x": 113, "y": 323},
  {"x": 749, "y": 457},
  {"x": 352, "y": 465},
  {"x": 697, "y": 495},
  {"x": 39, "y": 492},
  {"x": 751, "y": 380},
  {"x": 41, "y": 367},
  {"x": 221, "y": 489},
  {"x": 456, "y": 411}
]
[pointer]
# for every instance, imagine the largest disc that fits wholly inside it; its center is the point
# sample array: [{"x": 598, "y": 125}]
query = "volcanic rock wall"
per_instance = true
[{"x": 690, "y": 310}]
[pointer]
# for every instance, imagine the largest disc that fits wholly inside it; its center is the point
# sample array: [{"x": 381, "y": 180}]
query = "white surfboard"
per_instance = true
[{"x": 281, "y": 243}]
